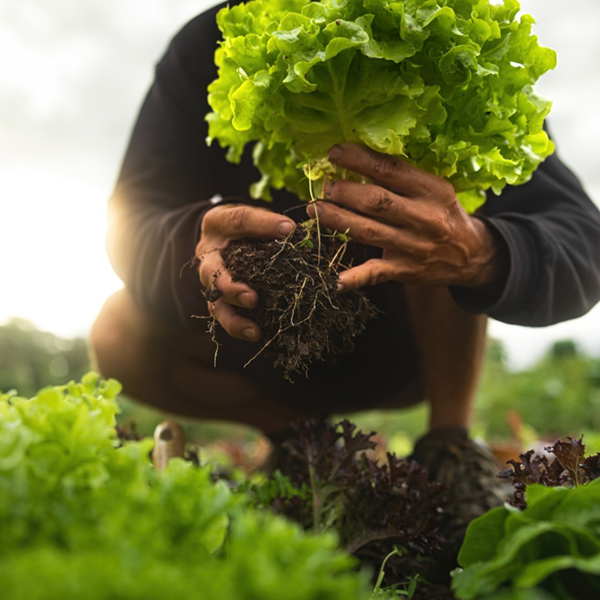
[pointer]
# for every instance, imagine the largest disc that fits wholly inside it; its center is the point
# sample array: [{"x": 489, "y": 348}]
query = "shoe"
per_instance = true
[
  {"x": 278, "y": 459},
  {"x": 468, "y": 469}
]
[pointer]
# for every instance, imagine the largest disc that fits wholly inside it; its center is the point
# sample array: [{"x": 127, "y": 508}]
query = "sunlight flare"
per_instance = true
[{"x": 54, "y": 269}]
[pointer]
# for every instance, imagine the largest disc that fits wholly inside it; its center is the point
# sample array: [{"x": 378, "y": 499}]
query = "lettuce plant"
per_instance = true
[
  {"x": 548, "y": 546},
  {"x": 377, "y": 510},
  {"x": 570, "y": 467},
  {"x": 443, "y": 84},
  {"x": 83, "y": 517}
]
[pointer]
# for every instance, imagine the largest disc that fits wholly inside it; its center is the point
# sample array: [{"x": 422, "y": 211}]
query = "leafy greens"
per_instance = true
[
  {"x": 570, "y": 467},
  {"x": 443, "y": 84},
  {"x": 82, "y": 518},
  {"x": 546, "y": 546},
  {"x": 330, "y": 483}
]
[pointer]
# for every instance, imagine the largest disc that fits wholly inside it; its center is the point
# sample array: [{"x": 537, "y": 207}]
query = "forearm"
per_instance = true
[{"x": 152, "y": 251}]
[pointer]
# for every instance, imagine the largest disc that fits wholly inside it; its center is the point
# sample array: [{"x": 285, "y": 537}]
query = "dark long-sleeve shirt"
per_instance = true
[{"x": 549, "y": 225}]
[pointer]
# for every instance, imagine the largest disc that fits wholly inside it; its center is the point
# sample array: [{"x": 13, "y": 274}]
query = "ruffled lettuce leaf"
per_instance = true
[
  {"x": 446, "y": 85},
  {"x": 553, "y": 545},
  {"x": 83, "y": 517}
]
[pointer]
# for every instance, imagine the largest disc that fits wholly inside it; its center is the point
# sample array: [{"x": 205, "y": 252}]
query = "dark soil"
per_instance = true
[{"x": 300, "y": 312}]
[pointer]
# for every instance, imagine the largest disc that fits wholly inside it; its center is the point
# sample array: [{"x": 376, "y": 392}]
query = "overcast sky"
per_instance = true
[{"x": 72, "y": 76}]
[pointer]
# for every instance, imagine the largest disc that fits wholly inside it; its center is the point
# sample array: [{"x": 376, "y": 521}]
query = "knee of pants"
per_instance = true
[
  {"x": 114, "y": 337},
  {"x": 106, "y": 339}
]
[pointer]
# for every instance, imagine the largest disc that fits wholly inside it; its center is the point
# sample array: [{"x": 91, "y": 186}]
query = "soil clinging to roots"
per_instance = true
[{"x": 300, "y": 312}]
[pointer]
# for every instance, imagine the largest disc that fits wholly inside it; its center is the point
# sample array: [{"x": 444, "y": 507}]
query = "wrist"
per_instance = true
[{"x": 492, "y": 261}]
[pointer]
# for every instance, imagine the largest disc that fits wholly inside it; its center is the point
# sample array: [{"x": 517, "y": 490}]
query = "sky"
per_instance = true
[{"x": 72, "y": 77}]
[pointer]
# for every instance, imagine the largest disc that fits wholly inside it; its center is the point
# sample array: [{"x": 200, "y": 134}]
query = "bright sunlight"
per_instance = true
[{"x": 52, "y": 248}]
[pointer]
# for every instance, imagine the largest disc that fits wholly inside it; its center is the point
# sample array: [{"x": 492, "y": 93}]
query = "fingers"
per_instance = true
[
  {"x": 390, "y": 172},
  {"x": 233, "y": 323},
  {"x": 214, "y": 275},
  {"x": 220, "y": 226},
  {"x": 367, "y": 230},
  {"x": 234, "y": 222},
  {"x": 374, "y": 200},
  {"x": 371, "y": 272}
]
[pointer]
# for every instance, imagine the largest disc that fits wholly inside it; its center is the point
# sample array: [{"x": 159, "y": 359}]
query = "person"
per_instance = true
[{"x": 530, "y": 256}]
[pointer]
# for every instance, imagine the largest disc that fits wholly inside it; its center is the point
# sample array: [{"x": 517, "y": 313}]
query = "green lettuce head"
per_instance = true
[{"x": 446, "y": 85}]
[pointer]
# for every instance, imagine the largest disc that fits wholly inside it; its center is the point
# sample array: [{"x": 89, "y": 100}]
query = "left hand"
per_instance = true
[{"x": 427, "y": 237}]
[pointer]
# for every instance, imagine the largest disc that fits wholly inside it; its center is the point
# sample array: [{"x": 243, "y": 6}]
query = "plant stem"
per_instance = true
[
  {"x": 313, "y": 200},
  {"x": 315, "y": 496},
  {"x": 377, "y": 587}
]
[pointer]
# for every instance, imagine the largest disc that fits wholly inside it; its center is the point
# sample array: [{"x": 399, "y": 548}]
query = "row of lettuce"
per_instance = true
[{"x": 84, "y": 516}]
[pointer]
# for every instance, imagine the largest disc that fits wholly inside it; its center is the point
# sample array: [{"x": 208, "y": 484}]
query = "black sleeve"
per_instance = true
[
  {"x": 552, "y": 231},
  {"x": 168, "y": 178}
]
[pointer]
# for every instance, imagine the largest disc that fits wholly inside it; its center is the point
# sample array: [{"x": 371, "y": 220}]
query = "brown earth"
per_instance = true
[{"x": 300, "y": 312}]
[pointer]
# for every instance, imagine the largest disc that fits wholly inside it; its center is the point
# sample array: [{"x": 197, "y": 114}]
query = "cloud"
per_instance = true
[
  {"x": 574, "y": 85},
  {"x": 73, "y": 75}
]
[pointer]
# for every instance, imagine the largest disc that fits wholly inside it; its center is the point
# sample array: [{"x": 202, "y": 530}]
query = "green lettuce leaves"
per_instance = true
[
  {"x": 550, "y": 550},
  {"x": 545, "y": 544},
  {"x": 443, "y": 84},
  {"x": 83, "y": 517}
]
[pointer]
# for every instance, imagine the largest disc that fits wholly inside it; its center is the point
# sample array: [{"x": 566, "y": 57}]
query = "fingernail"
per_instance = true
[
  {"x": 285, "y": 228},
  {"x": 251, "y": 334},
  {"x": 336, "y": 152},
  {"x": 245, "y": 299},
  {"x": 329, "y": 187},
  {"x": 340, "y": 286}
]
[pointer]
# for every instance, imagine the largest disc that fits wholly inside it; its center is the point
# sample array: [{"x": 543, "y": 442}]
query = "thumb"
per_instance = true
[{"x": 372, "y": 272}]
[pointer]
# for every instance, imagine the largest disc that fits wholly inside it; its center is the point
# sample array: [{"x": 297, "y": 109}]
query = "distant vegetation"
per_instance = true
[
  {"x": 560, "y": 395},
  {"x": 31, "y": 359}
]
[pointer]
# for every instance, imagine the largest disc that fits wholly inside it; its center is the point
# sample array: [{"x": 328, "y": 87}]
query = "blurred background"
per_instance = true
[{"x": 72, "y": 77}]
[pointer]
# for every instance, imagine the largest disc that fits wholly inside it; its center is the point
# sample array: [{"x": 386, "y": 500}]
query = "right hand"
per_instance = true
[{"x": 220, "y": 226}]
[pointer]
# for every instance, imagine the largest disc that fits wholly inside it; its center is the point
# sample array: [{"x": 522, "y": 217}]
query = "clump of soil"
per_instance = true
[{"x": 300, "y": 312}]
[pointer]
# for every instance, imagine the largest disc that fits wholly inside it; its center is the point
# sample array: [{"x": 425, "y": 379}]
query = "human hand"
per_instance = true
[
  {"x": 220, "y": 226},
  {"x": 427, "y": 237}
]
